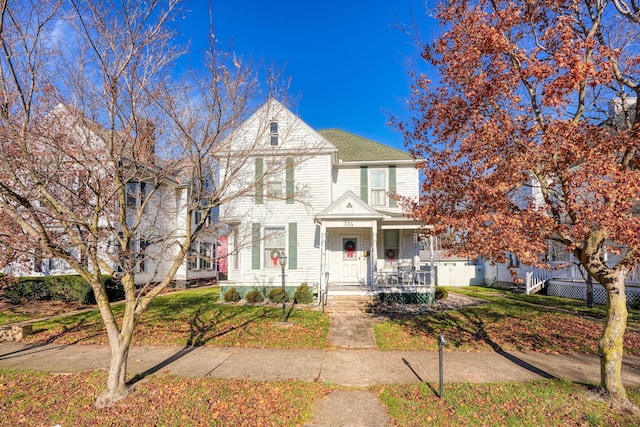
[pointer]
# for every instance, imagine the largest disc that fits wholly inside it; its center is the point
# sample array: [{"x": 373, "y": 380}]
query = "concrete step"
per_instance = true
[{"x": 350, "y": 303}]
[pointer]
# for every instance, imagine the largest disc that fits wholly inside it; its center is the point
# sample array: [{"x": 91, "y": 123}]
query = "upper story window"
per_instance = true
[
  {"x": 136, "y": 191},
  {"x": 378, "y": 187},
  {"x": 273, "y": 133},
  {"x": 274, "y": 186}
]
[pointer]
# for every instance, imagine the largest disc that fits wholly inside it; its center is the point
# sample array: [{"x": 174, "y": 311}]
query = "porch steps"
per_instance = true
[
  {"x": 518, "y": 288},
  {"x": 351, "y": 304}
]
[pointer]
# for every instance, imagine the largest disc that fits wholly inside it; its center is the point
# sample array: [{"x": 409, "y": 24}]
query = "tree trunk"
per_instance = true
[
  {"x": 610, "y": 346},
  {"x": 119, "y": 341},
  {"x": 589, "y": 291},
  {"x": 116, "y": 382}
]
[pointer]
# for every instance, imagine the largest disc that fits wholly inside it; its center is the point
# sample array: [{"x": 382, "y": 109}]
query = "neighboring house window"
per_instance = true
[
  {"x": 197, "y": 218},
  {"x": 206, "y": 255},
  {"x": 273, "y": 133},
  {"x": 378, "y": 187},
  {"x": 139, "y": 247},
  {"x": 201, "y": 256},
  {"x": 58, "y": 264},
  {"x": 391, "y": 246},
  {"x": 274, "y": 244},
  {"x": 136, "y": 192},
  {"x": 514, "y": 261},
  {"x": 236, "y": 256}
]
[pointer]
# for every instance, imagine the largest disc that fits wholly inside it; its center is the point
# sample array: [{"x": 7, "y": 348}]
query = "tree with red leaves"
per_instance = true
[{"x": 530, "y": 135}]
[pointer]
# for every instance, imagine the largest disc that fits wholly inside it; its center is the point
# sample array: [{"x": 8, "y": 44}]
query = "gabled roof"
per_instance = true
[
  {"x": 349, "y": 206},
  {"x": 354, "y": 148}
]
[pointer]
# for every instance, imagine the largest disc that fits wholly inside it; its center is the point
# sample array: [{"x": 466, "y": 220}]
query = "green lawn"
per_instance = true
[
  {"x": 509, "y": 322},
  {"x": 8, "y": 318},
  {"x": 196, "y": 317}
]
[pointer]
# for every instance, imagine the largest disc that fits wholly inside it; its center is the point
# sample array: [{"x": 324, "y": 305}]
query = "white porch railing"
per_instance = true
[
  {"x": 536, "y": 279},
  {"x": 400, "y": 278},
  {"x": 575, "y": 273}
]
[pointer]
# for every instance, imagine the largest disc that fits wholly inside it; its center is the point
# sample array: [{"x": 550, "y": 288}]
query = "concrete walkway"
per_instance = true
[{"x": 347, "y": 367}]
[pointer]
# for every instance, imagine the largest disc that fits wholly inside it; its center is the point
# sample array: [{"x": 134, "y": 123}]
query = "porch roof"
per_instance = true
[{"x": 349, "y": 206}]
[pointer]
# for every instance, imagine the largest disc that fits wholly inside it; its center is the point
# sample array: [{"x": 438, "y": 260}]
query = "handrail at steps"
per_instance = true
[{"x": 536, "y": 279}]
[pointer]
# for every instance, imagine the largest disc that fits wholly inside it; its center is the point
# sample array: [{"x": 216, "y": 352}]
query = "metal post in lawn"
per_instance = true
[
  {"x": 441, "y": 344},
  {"x": 283, "y": 263}
]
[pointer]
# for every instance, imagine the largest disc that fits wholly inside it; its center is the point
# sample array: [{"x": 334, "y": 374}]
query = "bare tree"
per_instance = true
[{"x": 106, "y": 161}]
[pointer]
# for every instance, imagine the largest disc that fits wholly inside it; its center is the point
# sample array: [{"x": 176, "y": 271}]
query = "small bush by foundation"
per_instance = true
[
  {"x": 303, "y": 295},
  {"x": 232, "y": 295},
  {"x": 275, "y": 295},
  {"x": 254, "y": 296}
]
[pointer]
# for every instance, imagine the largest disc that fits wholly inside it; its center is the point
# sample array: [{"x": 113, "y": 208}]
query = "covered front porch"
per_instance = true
[{"x": 369, "y": 252}]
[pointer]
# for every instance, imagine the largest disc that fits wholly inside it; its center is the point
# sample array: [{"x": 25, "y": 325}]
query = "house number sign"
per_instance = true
[{"x": 348, "y": 224}]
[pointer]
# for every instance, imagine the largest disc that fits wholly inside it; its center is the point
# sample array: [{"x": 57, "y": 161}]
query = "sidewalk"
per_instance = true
[
  {"x": 360, "y": 367},
  {"x": 355, "y": 362}
]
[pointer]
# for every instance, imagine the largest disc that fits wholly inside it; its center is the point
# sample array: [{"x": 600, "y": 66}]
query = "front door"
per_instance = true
[{"x": 350, "y": 271}]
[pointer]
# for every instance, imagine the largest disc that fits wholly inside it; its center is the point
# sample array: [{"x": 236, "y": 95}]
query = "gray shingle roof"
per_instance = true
[{"x": 354, "y": 148}]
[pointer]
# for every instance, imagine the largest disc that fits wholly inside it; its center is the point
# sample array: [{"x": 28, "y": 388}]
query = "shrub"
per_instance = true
[
  {"x": 303, "y": 295},
  {"x": 60, "y": 288},
  {"x": 275, "y": 295},
  {"x": 254, "y": 297},
  {"x": 441, "y": 293},
  {"x": 232, "y": 295}
]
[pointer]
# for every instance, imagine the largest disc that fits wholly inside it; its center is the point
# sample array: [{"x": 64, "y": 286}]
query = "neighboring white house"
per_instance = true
[
  {"x": 322, "y": 199},
  {"x": 163, "y": 221},
  {"x": 566, "y": 278}
]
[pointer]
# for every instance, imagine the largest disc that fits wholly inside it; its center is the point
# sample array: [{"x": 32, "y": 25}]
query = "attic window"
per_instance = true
[{"x": 273, "y": 133}]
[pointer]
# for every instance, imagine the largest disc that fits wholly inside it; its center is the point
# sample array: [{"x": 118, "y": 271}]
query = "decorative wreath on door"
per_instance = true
[
  {"x": 275, "y": 254},
  {"x": 391, "y": 254},
  {"x": 350, "y": 247}
]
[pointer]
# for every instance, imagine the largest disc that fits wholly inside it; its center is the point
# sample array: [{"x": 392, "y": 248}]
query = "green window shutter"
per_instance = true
[
  {"x": 290, "y": 180},
  {"x": 259, "y": 181},
  {"x": 392, "y": 185},
  {"x": 293, "y": 246},
  {"x": 364, "y": 184},
  {"x": 255, "y": 246}
]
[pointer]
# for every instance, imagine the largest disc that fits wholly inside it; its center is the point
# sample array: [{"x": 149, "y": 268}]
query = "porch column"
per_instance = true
[
  {"x": 323, "y": 259},
  {"x": 374, "y": 251}
]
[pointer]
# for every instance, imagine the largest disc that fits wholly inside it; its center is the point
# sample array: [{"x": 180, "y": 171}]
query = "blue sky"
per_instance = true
[{"x": 347, "y": 62}]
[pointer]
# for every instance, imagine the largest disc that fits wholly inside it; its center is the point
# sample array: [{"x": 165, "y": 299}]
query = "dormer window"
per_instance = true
[{"x": 273, "y": 133}]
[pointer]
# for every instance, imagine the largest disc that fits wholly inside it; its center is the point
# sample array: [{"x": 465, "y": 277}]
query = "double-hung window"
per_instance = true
[
  {"x": 274, "y": 246},
  {"x": 274, "y": 186},
  {"x": 136, "y": 192},
  {"x": 201, "y": 256},
  {"x": 378, "y": 187},
  {"x": 273, "y": 133}
]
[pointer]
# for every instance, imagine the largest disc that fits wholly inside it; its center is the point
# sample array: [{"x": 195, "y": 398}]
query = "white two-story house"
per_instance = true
[
  {"x": 322, "y": 199},
  {"x": 158, "y": 195}
]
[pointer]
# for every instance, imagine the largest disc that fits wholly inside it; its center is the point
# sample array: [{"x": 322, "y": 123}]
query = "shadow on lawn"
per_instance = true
[
  {"x": 199, "y": 334},
  {"x": 482, "y": 333},
  {"x": 462, "y": 327}
]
